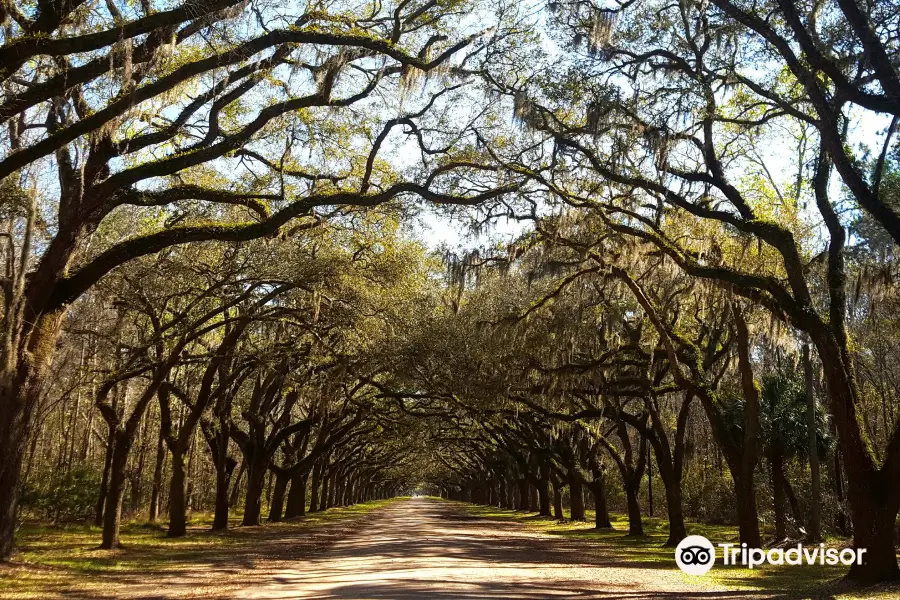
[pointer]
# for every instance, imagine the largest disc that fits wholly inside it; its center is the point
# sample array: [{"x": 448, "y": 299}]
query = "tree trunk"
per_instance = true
[
  {"x": 522, "y": 500},
  {"x": 112, "y": 515},
  {"x": 19, "y": 388},
  {"x": 177, "y": 500},
  {"x": 276, "y": 507},
  {"x": 635, "y": 518},
  {"x": 814, "y": 526},
  {"x": 223, "y": 480},
  {"x": 236, "y": 485},
  {"x": 256, "y": 484},
  {"x": 323, "y": 500},
  {"x": 156, "y": 490},
  {"x": 601, "y": 511},
  {"x": 314, "y": 489},
  {"x": 13, "y": 421},
  {"x": 747, "y": 514},
  {"x": 576, "y": 497},
  {"x": 670, "y": 470},
  {"x": 296, "y": 503},
  {"x": 674, "y": 508},
  {"x": 748, "y": 452},
  {"x": 557, "y": 499},
  {"x": 104, "y": 480},
  {"x": 532, "y": 498},
  {"x": 839, "y": 493},
  {"x": 544, "y": 497},
  {"x": 339, "y": 492},
  {"x": 137, "y": 494},
  {"x": 504, "y": 498},
  {"x": 349, "y": 491},
  {"x": 871, "y": 493},
  {"x": 792, "y": 499},
  {"x": 873, "y": 529}
]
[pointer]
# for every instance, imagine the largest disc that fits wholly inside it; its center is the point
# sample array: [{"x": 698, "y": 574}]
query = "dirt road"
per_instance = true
[{"x": 430, "y": 549}]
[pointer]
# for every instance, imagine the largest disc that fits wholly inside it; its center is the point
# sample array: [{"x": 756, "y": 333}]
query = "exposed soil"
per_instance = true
[
  {"x": 429, "y": 549},
  {"x": 418, "y": 548}
]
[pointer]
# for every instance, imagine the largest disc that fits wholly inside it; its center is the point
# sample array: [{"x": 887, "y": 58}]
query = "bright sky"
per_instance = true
[{"x": 439, "y": 230}]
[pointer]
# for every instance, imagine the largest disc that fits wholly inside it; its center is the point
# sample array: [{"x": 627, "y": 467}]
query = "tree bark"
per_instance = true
[
  {"x": 156, "y": 489},
  {"x": 256, "y": 483},
  {"x": 177, "y": 500},
  {"x": 235, "y": 494},
  {"x": 814, "y": 526},
  {"x": 332, "y": 493},
  {"x": 674, "y": 508},
  {"x": 217, "y": 441},
  {"x": 873, "y": 495},
  {"x": 504, "y": 497},
  {"x": 314, "y": 488},
  {"x": 323, "y": 500},
  {"x": 14, "y": 416},
  {"x": 747, "y": 513},
  {"x": 522, "y": 500},
  {"x": 747, "y": 455},
  {"x": 223, "y": 480},
  {"x": 20, "y": 382},
  {"x": 670, "y": 465},
  {"x": 839, "y": 493},
  {"x": 544, "y": 496},
  {"x": 339, "y": 492},
  {"x": 557, "y": 499},
  {"x": 601, "y": 511},
  {"x": 104, "y": 480},
  {"x": 296, "y": 502},
  {"x": 576, "y": 497},
  {"x": 112, "y": 515},
  {"x": 276, "y": 507}
]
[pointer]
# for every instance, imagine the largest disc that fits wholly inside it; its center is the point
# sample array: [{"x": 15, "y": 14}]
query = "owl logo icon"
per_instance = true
[{"x": 695, "y": 555}]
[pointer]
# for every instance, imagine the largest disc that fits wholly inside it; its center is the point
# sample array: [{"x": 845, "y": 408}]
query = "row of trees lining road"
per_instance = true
[
  {"x": 135, "y": 127},
  {"x": 668, "y": 128},
  {"x": 210, "y": 358},
  {"x": 214, "y": 292}
]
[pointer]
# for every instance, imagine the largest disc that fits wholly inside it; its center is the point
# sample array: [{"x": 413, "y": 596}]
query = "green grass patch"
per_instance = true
[
  {"x": 791, "y": 581},
  {"x": 54, "y": 560}
]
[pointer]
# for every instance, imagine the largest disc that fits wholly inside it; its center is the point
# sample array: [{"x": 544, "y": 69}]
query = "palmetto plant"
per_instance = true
[{"x": 785, "y": 436}]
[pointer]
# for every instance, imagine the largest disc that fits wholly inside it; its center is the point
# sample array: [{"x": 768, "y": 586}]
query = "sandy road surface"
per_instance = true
[{"x": 429, "y": 549}]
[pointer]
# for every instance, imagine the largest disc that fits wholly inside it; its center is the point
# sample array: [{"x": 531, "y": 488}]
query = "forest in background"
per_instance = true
[{"x": 217, "y": 298}]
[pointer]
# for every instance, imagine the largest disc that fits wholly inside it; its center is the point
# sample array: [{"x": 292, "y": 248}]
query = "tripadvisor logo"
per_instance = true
[{"x": 695, "y": 555}]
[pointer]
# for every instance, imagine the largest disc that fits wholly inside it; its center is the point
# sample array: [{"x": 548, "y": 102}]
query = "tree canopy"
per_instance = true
[{"x": 218, "y": 287}]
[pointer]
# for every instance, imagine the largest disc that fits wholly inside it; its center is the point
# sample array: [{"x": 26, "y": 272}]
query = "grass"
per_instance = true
[
  {"x": 800, "y": 581},
  {"x": 65, "y": 561},
  {"x": 53, "y": 561}
]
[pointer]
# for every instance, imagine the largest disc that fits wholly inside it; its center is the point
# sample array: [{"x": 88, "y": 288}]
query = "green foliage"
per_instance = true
[
  {"x": 783, "y": 417},
  {"x": 64, "y": 499}
]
